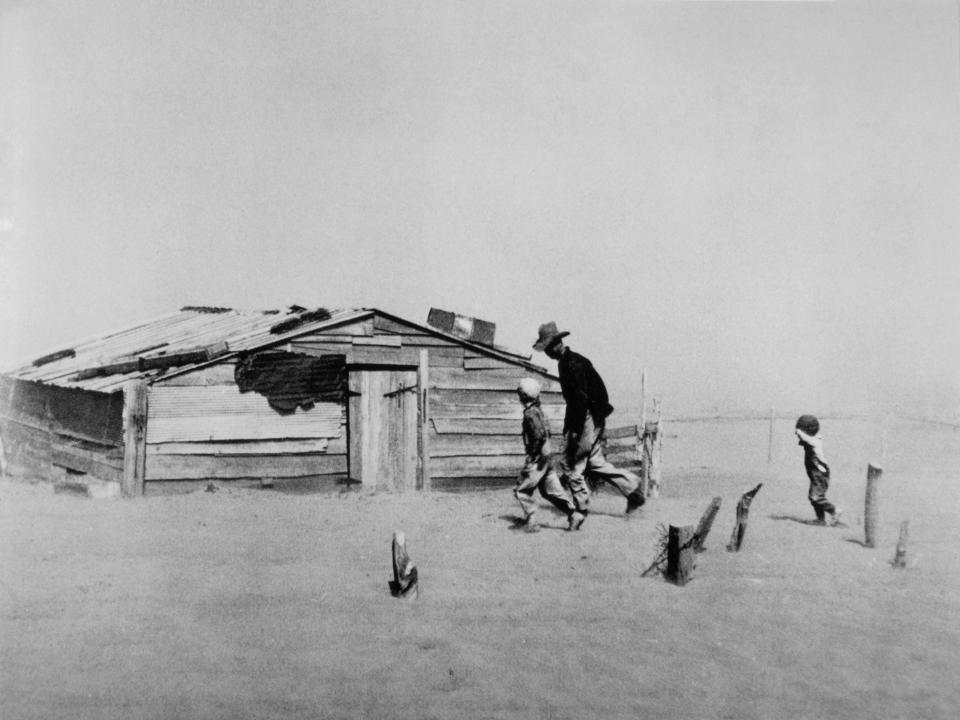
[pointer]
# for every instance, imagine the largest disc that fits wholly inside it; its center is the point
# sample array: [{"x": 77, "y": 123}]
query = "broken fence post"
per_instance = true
[
  {"x": 740, "y": 528},
  {"x": 900, "y": 558},
  {"x": 404, "y": 583},
  {"x": 871, "y": 511},
  {"x": 679, "y": 554},
  {"x": 706, "y": 522}
]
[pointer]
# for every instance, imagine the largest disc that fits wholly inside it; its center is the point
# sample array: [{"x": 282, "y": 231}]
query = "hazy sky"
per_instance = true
[{"x": 755, "y": 201}]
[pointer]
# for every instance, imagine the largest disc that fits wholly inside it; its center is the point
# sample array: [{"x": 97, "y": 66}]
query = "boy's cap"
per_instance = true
[
  {"x": 530, "y": 388},
  {"x": 808, "y": 424}
]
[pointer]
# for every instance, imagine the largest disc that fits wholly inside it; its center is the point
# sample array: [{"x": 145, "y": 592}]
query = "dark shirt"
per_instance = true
[{"x": 583, "y": 390}]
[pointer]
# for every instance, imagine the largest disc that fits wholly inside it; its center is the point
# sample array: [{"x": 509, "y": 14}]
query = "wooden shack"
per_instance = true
[{"x": 260, "y": 398}]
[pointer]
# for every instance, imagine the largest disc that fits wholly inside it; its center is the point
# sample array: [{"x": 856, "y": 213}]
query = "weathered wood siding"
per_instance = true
[
  {"x": 201, "y": 427},
  {"x": 474, "y": 415},
  {"x": 47, "y": 430}
]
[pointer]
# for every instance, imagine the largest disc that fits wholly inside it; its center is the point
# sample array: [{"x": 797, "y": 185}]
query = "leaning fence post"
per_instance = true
[
  {"x": 871, "y": 511},
  {"x": 706, "y": 522},
  {"x": 743, "y": 510},
  {"x": 900, "y": 558}
]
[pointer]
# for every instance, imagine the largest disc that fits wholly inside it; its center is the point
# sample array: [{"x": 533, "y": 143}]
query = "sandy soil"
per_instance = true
[{"x": 266, "y": 604}]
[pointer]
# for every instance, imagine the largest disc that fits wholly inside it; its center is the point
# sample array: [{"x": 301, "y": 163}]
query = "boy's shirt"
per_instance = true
[
  {"x": 536, "y": 433},
  {"x": 813, "y": 457}
]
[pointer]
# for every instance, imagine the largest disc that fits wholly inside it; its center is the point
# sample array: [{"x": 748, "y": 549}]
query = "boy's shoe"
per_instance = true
[
  {"x": 576, "y": 520},
  {"x": 834, "y": 520},
  {"x": 635, "y": 500},
  {"x": 531, "y": 528}
]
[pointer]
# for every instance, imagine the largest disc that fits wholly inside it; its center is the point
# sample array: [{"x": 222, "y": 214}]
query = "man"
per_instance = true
[{"x": 583, "y": 424}]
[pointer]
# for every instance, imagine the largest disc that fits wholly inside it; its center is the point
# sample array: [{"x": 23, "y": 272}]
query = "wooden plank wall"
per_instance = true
[
  {"x": 474, "y": 414},
  {"x": 201, "y": 427},
  {"x": 47, "y": 430}
]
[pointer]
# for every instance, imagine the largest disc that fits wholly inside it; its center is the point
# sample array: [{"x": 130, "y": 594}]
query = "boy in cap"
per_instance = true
[
  {"x": 583, "y": 424},
  {"x": 808, "y": 434},
  {"x": 538, "y": 471}
]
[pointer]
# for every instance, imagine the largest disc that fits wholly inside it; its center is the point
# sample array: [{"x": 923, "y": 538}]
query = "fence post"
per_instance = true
[
  {"x": 679, "y": 554},
  {"x": 652, "y": 434},
  {"x": 871, "y": 511}
]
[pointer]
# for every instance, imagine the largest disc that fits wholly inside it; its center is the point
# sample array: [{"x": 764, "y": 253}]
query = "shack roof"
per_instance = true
[{"x": 196, "y": 336}]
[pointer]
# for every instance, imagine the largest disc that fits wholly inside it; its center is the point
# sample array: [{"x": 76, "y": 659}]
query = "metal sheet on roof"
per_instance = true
[
  {"x": 221, "y": 412},
  {"x": 169, "y": 334}
]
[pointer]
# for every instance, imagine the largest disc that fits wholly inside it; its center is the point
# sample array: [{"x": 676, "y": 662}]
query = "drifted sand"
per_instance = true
[{"x": 266, "y": 604}]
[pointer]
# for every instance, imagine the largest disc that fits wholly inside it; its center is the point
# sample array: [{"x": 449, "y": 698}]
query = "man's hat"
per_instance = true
[{"x": 548, "y": 336}]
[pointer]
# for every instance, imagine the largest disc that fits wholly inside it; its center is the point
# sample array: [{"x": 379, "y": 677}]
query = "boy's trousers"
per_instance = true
[
  {"x": 543, "y": 476},
  {"x": 819, "y": 482}
]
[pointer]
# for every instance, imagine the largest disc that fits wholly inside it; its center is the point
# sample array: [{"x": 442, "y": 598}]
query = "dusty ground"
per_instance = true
[{"x": 263, "y": 604}]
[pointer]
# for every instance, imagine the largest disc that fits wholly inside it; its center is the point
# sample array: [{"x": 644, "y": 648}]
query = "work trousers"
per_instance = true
[{"x": 585, "y": 455}]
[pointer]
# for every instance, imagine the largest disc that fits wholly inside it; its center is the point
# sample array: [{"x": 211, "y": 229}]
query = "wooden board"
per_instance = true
[
  {"x": 505, "y": 397},
  {"x": 387, "y": 325},
  {"x": 379, "y": 340},
  {"x": 249, "y": 447},
  {"x": 473, "y": 484},
  {"x": 460, "y": 445},
  {"x": 483, "y": 363},
  {"x": 97, "y": 465},
  {"x": 488, "y": 379},
  {"x": 476, "y": 466},
  {"x": 474, "y": 426},
  {"x": 199, "y": 467}
]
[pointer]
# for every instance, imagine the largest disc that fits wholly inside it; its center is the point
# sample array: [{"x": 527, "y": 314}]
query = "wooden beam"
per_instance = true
[
  {"x": 134, "y": 437},
  {"x": 423, "y": 421}
]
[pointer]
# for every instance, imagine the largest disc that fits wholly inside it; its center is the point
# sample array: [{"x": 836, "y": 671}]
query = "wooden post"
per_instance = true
[
  {"x": 679, "y": 554},
  {"x": 641, "y": 431},
  {"x": 770, "y": 440},
  {"x": 656, "y": 445},
  {"x": 743, "y": 510},
  {"x": 423, "y": 426},
  {"x": 871, "y": 511},
  {"x": 134, "y": 437},
  {"x": 643, "y": 397},
  {"x": 404, "y": 583},
  {"x": 900, "y": 558},
  {"x": 706, "y": 522}
]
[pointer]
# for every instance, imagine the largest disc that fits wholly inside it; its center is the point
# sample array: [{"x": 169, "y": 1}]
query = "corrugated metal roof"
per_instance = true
[
  {"x": 221, "y": 331},
  {"x": 224, "y": 331}
]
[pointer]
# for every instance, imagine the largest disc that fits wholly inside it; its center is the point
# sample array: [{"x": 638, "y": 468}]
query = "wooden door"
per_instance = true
[{"x": 383, "y": 428}]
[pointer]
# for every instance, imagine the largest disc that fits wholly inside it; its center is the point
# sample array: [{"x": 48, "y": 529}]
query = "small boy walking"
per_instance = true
[
  {"x": 538, "y": 471},
  {"x": 808, "y": 434}
]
